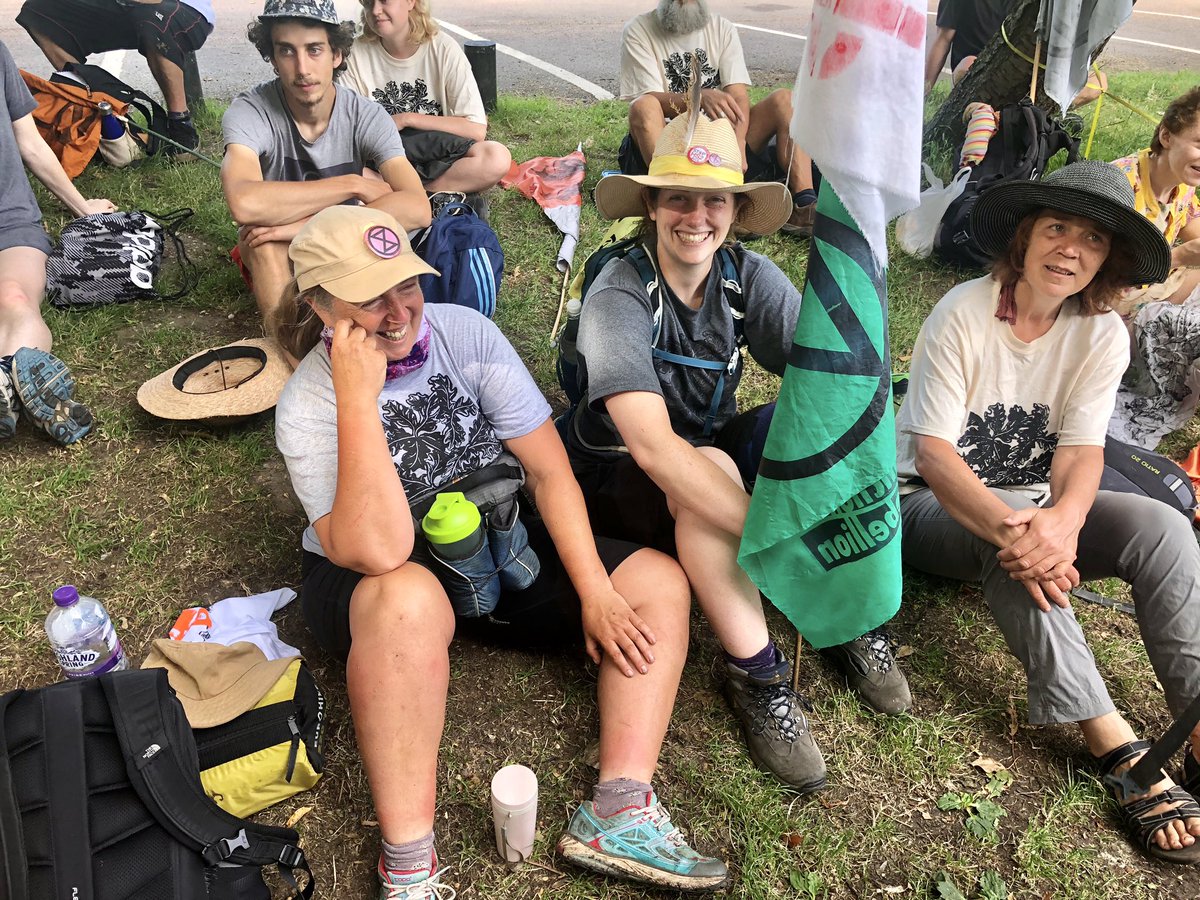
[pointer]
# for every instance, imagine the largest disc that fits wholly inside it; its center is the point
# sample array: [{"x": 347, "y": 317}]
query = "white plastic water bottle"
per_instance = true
[{"x": 82, "y": 635}]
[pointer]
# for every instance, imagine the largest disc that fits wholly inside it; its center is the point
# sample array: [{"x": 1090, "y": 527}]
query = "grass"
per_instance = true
[{"x": 151, "y": 517}]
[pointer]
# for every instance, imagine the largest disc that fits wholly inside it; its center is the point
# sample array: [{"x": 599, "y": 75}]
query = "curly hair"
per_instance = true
[
  {"x": 421, "y": 25},
  {"x": 1100, "y": 295},
  {"x": 341, "y": 37},
  {"x": 1181, "y": 114}
]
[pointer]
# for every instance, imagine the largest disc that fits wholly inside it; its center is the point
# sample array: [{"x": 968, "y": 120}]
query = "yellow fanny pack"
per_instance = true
[{"x": 270, "y": 752}]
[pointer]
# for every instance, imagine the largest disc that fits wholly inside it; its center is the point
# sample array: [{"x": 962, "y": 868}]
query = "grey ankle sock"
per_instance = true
[
  {"x": 410, "y": 856},
  {"x": 618, "y": 793}
]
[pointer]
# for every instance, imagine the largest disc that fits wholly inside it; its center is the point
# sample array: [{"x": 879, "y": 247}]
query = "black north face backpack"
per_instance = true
[
  {"x": 100, "y": 799},
  {"x": 1023, "y": 144}
]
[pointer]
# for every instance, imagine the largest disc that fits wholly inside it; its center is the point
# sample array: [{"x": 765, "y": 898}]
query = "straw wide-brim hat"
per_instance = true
[
  {"x": 216, "y": 682},
  {"x": 222, "y": 383},
  {"x": 711, "y": 161},
  {"x": 1090, "y": 188}
]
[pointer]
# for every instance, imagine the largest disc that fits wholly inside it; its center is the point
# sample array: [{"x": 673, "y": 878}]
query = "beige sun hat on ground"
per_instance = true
[
  {"x": 216, "y": 682},
  {"x": 711, "y": 161},
  {"x": 354, "y": 252},
  {"x": 222, "y": 383}
]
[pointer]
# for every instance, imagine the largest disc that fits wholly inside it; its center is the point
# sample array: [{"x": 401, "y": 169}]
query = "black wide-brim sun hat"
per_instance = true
[{"x": 1090, "y": 188}]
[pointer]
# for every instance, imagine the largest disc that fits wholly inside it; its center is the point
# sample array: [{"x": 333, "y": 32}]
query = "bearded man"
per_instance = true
[{"x": 657, "y": 49}]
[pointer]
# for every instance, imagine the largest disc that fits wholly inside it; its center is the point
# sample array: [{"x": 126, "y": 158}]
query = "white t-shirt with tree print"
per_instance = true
[
  {"x": 436, "y": 80},
  {"x": 656, "y": 60},
  {"x": 1004, "y": 404}
]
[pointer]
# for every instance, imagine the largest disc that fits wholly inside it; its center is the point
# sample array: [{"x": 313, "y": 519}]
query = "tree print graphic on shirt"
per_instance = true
[
  {"x": 1009, "y": 446},
  {"x": 406, "y": 97},
  {"x": 678, "y": 69},
  {"x": 437, "y": 437}
]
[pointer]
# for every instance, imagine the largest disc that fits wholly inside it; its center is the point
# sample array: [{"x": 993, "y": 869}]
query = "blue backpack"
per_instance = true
[
  {"x": 467, "y": 252},
  {"x": 631, "y": 249}
]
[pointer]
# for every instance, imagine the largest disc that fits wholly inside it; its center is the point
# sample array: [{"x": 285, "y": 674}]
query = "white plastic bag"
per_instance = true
[{"x": 916, "y": 229}]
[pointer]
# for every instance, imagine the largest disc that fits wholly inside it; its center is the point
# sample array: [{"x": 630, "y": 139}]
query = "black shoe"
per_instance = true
[
  {"x": 479, "y": 203},
  {"x": 772, "y": 717},
  {"x": 869, "y": 664},
  {"x": 182, "y": 132}
]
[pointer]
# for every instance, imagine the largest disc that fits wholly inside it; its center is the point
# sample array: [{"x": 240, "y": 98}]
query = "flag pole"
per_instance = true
[
  {"x": 796, "y": 662},
  {"x": 1037, "y": 54}
]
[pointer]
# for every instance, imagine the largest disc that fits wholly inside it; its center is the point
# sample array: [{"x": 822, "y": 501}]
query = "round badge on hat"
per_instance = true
[
  {"x": 220, "y": 384},
  {"x": 383, "y": 242}
]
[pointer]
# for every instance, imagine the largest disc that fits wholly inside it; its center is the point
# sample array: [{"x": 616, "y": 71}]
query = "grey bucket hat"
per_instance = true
[
  {"x": 1089, "y": 188},
  {"x": 318, "y": 10}
]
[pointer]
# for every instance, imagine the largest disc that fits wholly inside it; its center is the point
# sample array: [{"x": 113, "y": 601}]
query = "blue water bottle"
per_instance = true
[{"x": 111, "y": 127}]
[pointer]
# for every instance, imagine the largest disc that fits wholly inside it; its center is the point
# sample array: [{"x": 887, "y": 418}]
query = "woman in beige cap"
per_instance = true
[
  {"x": 657, "y": 443},
  {"x": 392, "y": 402}
]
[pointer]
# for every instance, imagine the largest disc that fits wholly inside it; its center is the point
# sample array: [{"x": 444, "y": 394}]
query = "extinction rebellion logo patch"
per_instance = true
[{"x": 865, "y": 523}]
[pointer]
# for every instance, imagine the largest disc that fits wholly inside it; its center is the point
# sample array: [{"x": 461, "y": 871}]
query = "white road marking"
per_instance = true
[
  {"x": 1117, "y": 37},
  {"x": 570, "y": 77},
  {"x": 798, "y": 37},
  {"x": 112, "y": 61},
  {"x": 1139, "y": 12}
]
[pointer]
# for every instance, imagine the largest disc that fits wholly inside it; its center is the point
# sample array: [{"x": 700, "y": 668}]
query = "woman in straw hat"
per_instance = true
[
  {"x": 392, "y": 402},
  {"x": 1001, "y": 448},
  {"x": 658, "y": 446}
]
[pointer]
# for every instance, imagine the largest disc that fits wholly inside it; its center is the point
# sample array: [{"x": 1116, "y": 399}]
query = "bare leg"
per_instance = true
[
  {"x": 1110, "y": 731},
  {"x": 271, "y": 269},
  {"x": 483, "y": 167},
  {"x": 170, "y": 81},
  {"x": 397, "y": 676},
  {"x": 773, "y": 117},
  {"x": 725, "y": 592},
  {"x": 634, "y": 712},
  {"x": 57, "y": 56},
  {"x": 1191, "y": 280},
  {"x": 22, "y": 287},
  {"x": 646, "y": 123}
]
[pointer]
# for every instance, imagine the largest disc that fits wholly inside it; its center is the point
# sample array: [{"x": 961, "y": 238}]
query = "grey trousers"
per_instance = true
[{"x": 1141, "y": 541}]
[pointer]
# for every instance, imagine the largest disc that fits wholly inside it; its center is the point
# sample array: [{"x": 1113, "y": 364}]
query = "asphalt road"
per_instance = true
[{"x": 583, "y": 37}]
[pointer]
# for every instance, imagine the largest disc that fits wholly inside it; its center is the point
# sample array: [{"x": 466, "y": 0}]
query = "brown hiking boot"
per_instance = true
[{"x": 801, "y": 222}]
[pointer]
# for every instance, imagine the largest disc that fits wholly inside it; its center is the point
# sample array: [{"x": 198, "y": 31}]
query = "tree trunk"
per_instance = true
[{"x": 998, "y": 77}]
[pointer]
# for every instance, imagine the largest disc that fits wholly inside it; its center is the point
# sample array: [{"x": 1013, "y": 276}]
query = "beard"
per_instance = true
[{"x": 678, "y": 19}]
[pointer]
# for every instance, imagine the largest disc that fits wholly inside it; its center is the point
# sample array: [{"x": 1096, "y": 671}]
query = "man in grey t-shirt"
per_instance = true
[{"x": 299, "y": 143}]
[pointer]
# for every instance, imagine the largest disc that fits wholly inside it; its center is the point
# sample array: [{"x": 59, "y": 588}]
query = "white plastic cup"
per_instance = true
[{"x": 514, "y": 812}]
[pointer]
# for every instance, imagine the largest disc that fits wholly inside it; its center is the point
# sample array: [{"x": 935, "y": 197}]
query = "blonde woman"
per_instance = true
[{"x": 421, "y": 77}]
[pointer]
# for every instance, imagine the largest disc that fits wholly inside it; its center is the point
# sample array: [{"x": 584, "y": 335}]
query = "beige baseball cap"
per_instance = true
[{"x": 354, "y": 252}]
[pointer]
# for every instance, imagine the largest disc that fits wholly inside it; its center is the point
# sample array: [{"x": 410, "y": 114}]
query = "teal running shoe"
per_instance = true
[
  {"x": 46, "y": 388},
  {"x": 419, "y": 884},
  {"x": 639, "y": 843}
]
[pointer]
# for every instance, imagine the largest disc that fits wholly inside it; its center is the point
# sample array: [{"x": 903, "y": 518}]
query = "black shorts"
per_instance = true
[
  {"x": 546, "y": 614},
  {"x": 623, "y": 502},
  {"x": 432, "y": 153},
  {"x": 82, "y": 27}
]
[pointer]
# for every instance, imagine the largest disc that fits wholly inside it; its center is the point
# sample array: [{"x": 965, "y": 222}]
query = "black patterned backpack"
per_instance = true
[{"x": 114, "y": 257}]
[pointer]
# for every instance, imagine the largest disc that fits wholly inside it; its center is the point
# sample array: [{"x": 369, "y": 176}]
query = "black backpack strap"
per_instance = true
[
  {"x": 13, "y": 884},
  {"x": 189, "y": 274},
  {"x": 170, "y": 787},
  {"x": 729, "y": 257},
  {"x": 67, "y": 789}
]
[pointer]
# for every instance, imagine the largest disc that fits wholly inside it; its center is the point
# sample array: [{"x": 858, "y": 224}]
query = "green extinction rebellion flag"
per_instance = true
[{"x": 822, "y": 538}]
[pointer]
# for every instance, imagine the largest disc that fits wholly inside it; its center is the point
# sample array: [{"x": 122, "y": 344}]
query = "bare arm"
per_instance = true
[
  {"x": 962, "y": 494},
  {"x": 369, "y": 529},
  {"x": 460, "y": 125},
  {"x": 935, "y": 57},
  {"x": 1186, "y": 251},
  {"x": 253, "y": 201},
  {"x": 610, "y": 625},
  {"x": 717, "y": 103},
  {"x": 42, "y": 162},
  {"x": 404, "y": 196},
  {"x": 685, "y": 474}
]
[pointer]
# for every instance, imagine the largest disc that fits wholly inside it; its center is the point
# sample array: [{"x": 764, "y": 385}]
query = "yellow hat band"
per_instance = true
[{"x": 681, "y": 165}]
